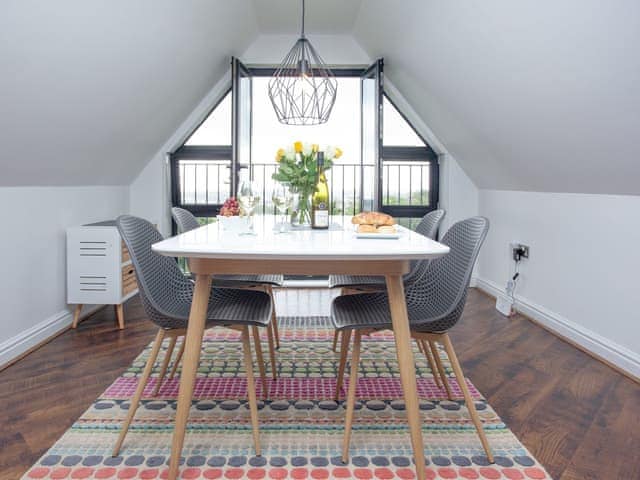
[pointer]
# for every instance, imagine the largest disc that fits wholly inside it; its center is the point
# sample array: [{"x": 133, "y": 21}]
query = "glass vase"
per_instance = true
[{"x": 301, "y": 210}]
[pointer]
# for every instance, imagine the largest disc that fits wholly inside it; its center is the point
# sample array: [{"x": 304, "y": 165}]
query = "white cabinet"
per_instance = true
[{"x": 99, "y": 270}]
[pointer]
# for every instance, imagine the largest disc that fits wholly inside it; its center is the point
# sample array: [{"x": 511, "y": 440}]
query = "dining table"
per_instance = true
[{"x": 212, "y": 250}]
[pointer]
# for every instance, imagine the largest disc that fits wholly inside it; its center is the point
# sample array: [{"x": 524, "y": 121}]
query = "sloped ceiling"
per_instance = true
[
  {"x": 526, "y": 96},
  {"x": 89, "y": 90},
  {"x": 322, "y": 16}
]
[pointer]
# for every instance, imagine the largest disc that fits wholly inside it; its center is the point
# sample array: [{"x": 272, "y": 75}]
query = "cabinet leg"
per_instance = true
[
  {"x": 120, "y": 315},
  {"x": 76, "y": 315}
]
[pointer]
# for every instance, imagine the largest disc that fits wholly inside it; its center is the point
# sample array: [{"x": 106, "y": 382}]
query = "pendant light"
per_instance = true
[{"x": 303, "y": 89}]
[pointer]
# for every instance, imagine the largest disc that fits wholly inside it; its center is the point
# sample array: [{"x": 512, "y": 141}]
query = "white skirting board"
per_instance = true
[
  {"x": 15, "y": 346},
  {"x": 593, "y": 342}
]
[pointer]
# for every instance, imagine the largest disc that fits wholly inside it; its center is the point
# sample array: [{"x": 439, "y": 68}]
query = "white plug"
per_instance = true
[
  {"x": 509, "y": 289},
  {"x": 504, "y": 305}
]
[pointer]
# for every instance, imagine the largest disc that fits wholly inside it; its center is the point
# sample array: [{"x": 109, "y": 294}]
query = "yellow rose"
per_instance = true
[
  {"x": 338, "y": 153},
  {"x": 315, "y": 147},
  {"x": 298, "y": 147},
  {"x": 279, "y": 154}
]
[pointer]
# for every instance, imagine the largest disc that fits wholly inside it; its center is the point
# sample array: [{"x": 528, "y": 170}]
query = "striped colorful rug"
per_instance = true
[{"x": 301, "y": 426}]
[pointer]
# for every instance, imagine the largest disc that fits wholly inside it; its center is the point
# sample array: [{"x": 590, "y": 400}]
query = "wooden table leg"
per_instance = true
[
  {"x": 193, "y": 345},
  {"x": 406, "y": 363}
]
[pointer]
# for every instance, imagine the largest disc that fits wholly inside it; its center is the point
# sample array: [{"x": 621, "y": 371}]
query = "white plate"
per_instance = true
[{"x": 388, "y": 236}]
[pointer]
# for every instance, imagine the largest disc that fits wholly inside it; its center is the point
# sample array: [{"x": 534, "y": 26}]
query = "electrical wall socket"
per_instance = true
[{"x": 519, "y": 251}]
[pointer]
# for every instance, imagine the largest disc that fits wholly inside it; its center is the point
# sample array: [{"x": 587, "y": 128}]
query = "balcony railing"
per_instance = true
[{"x": 404, "y": 183}]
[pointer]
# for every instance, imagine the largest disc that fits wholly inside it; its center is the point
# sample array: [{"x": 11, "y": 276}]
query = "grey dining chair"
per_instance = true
[
  {"x": 435, "y": 303},
  {"x": 186, "y": 221},
  {"x": 350, "y": 284},
  {"x": 166, "y": 295}
]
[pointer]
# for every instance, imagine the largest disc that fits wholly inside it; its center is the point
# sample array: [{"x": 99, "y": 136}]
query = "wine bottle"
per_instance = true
[{"x": 320, "y": 199}]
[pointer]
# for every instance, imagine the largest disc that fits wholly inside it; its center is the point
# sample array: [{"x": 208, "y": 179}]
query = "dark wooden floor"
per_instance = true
[{"x": 580, "y": 418}]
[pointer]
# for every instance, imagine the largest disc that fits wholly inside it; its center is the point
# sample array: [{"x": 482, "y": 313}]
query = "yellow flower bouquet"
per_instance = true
[{"x": 297, "y": 167}]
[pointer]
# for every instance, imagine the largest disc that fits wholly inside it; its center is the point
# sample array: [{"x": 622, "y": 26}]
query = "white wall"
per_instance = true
[
  {"x": 33, "y": 281},
  {"x": 150, "y": 195},
  {"x": 582, "y": 276},
  {"x": 458, "y": 195}
]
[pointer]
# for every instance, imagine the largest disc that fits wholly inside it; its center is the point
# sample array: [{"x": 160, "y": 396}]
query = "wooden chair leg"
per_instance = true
[
  {"x": 427, "y": 353},
  {"x": 336, "y": 334},
  {"x": 344, "y": 350},
  {"x": 272, "y": 353},
  {"x": 76, "y": 315},
  {"x": 443, "y": 374},
  {"x": 276, "y": 333},
  {"x": 139, "y": 389},
  {"x": 176, "y": 362},
  {"x": 260, "y": 360},
  {"x": 120, "y": 315},
  {"x": 471, "y": 406},
  {"x": 351, "y": 396},
  {"x": 274, "y": 317},
  {"x": 251, "y": 388},
  {"x": 165, "y": 364}
]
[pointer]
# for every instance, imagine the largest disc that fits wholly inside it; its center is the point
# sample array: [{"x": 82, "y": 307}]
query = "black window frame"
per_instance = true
[
  {"x": 197, "y": 152},
  {"x": 392, "y": 153},
  {"x": 412, "y": 154}
]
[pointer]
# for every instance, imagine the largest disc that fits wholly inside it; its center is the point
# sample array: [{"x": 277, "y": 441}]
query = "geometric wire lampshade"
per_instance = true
[{"x": 302, "y": 89}]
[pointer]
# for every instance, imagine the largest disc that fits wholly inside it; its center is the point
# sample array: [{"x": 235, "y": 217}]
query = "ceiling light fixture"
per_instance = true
[{"x": 303, "y": 89}]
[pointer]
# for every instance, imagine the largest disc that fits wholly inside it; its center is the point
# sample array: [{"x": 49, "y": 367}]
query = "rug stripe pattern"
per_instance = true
[{"x": 301, "y": 425}]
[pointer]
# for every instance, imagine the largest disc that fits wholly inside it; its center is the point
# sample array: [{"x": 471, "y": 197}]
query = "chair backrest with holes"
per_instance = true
[
  {"x": 163, "y": 287},
  {"x": 437, "y": 298},
  {"x": 428, "y": 226},
  {"x": 185, "y": 220}
]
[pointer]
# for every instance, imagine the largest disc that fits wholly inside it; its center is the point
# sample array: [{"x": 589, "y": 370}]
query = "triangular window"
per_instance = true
[
  {"x": 409, "y": 173},
  {"x": 216, "y": 129},
  {"x": 397, "y": 132}
]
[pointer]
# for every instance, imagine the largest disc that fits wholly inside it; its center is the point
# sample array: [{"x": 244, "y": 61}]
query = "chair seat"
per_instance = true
[
  {"x": 239, "y": 281},
  {"x": 239, "y": 307},
  {"x": 355, "y": 281},
  {"x": 372, "y": 311},
  {"x": 227, "y": 306}
]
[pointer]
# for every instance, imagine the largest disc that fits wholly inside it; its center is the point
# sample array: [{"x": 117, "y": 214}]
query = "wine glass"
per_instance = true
[
  {"x": 283, "y": 201},
  {"x": 249, "y": 198}
]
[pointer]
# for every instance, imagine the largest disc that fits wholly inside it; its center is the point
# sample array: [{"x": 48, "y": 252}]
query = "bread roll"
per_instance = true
[
  {"x": 372, "y": 218},
  {"x": 386, "y": 229},
  {"x": 363, "y": 228}
]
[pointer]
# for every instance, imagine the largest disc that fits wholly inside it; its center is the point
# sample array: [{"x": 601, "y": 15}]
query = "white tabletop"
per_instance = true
[{"x": 337, "y": 243}]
